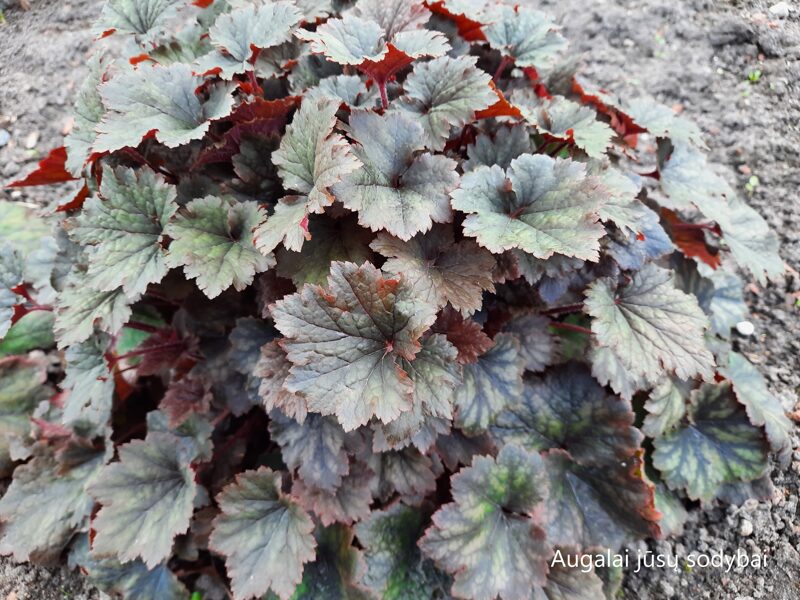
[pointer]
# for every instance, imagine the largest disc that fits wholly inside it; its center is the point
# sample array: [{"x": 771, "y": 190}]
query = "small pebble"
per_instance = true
[
  {"x": 780, "y": 10},
  {"x": 31, "y": 140},
  {"x": 745, "y": 328},
  {"x": 746, "y": 528},
  {"x": 4, "y": 137}
]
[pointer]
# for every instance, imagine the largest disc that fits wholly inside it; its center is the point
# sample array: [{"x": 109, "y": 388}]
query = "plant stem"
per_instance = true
[
  {"x": 560, "y": 310},
  {"x": 570, "y": 327},
  {"x": 141, "y": 327},
  {"x": 384, "y": 96},
  {"x": 504, "y": 63}
]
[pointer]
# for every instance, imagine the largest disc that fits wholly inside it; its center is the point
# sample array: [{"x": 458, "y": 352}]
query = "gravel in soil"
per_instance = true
[{"x": 732, "y": 66}]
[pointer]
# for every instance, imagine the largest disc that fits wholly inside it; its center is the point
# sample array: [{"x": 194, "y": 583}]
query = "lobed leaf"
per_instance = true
[{"x": 528, "y": 36}]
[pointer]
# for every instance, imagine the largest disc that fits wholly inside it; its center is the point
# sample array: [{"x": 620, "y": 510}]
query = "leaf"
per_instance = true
[
  {"x": 489, "y": 385},
  {"x": 238, "y": 35},
  {"x": 718, "y": 445},
  {"x": 347, "y": 41},
  {"x": 89, "y": 382},
  {"x": 147, "y": 499},
  {"x": 445, "y": 93},
  {"x": 507, "y": 144},
  {"x": 673, "y": 513},
  {"x": 125, "y": 230},
  {"x": 438, "y": 270},
  {"x": 396, "y": 189},
  {"x": 488, "y": 537},
  {"x": 32, "y": 331},
  {"x": 335, "y": 570},
  {"x": 183, "y": 399},
  {"x": 11, "y": 276},
  {"x": 763, "y": 409},
  {"x": 311, "y": 157},
  {"x": 650, "y": 325},
  {"x": 565, "y": 120},
  {"x": 349, "y": 503},
  {"x": 132, "y": 580},
  {"x": 537, "y": 346},
  {"x": 50, "y": 170},
  {"x": 568, "y": 409},
  {"x": 347, "y": 89},
  {"x": 551, "y": 207},
  {"x": 273, "y": 369},
  {"x": 396, "y": 569},
  {"x": 688, "y": 181},
  {"x": 565, "y": 583},
  {"x": 80, "y": 309},
  {"x": 160, "y": 99},
  {"x": 435, "y": 374},
  {"x": 528, "y": 36},
  {"x": 665, "y": 406},
  {"x": 661, "y": 121},
  {"x": 465, "y": 334},
  {"x": 213, "y": 241},
  {"x": 598, "y": 506},
  {"x": 88, "y": 111},
  {"x": 22, "y": 388},
  {"x": 406, "y": 472},
  {"x": 632, "y": 250},
  {"x": 331, "y": 241},
  {"x": 44, "y": 507},
  {"x": 622, "y": 206},
  {"x": 314, "y": 448},
  {"x": 264, "y": 536},
  {"x": 143, "y": 18},
  {"x": 345, "y": 342},
  {"x": 753, "y": 245},
  {"x": 609, "y": 370}
]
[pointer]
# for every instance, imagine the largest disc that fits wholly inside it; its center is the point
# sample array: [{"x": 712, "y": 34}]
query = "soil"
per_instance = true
[{"x": 732, "y": 66}]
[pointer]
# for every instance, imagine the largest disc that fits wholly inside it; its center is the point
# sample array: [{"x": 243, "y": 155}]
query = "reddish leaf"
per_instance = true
[
  {"x": 465, "y": 334},
  {"x": 468, "y": 29},
  {"x": 52, "y": 169},
  {"x": 76, "y": 202},
  {"x": 690, "y": 239},
  {"x": 386, "y": 68},
  {"x": 501, "y": 108},
  {"x": 184, "y": 398},
  {"x": 620, "y": 122},
  {"x": 203, "y": 3}
]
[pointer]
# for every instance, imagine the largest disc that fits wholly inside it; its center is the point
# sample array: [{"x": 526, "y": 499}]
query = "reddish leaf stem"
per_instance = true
[
  {"x": 141, "y": 327},
  {"x": 560, "y": 310},
  {"x": 570, "y": 327},
  {"x": 504, "y": 63},
  {"x": 382, "y": 89}
]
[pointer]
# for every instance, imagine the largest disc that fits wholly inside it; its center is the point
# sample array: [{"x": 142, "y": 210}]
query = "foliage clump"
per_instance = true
[{"x": 374, "y": 299}]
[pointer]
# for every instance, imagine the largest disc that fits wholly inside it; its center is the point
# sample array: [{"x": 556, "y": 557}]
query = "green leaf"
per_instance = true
[
  {"x": 80, "y": 309},
  {"x": 566, "y": 120},
  {"x": 311, "y": 157},
  {"x": 753, "y": 245},
  {"x": 33, "y": 331},
  {"x": 443, "y": 94},
  {"x": 673, "y": 513},
  {"x": 89, "y": 382},
  {"x": 489, "y": 385},
  {"x": 528, "y": 36},
  {"x": 125, "y": 229},
  {"x": 88, "y": 111},
  {"x": 540, "y": 205},
  {"x": 622, "y": 207},
  {"x": 396, "y": 189},
  {"x": 488, "y": 538},
  {"x": 507, "y": 144},
  {"x": 335, "y": 570},
  {"x": 24, "y": 229},
  {"x": 264, "y": 536},
  {"x": 609, "y": 370},
  {"x": 147, "y": 499},
  {"x": 763, "y": 409},
  {"x": 44, "y": 506},
  {"x": 22, "y": 388},
  {"x": 315, "y": 448},
  {"x": 213, "y": 241},
  {"x": 237, "y": 35},
  {"x": 348, "y": 89},
  {"x": 347, "y": 41},
  {"x": 160, "y": 99},
  {"x": 331, "y": 240},
  {"x": 598, "y": 506},
  {"x": 568, "y": 409},
  {"x": 396, "y": 569},
  {"x": 717, "y": 445},
  {"x": 142, "y": 18},
  {"x": 688, "y": 181},
  {"x": 650, "y": 325},
  {"x": 661, "y": 121},
  {"x": 11, "y": 275},
  {"x": 665, "y": 406},
  {"x": 438, "y": 270},
  {"x": 345, "y": 342}
]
